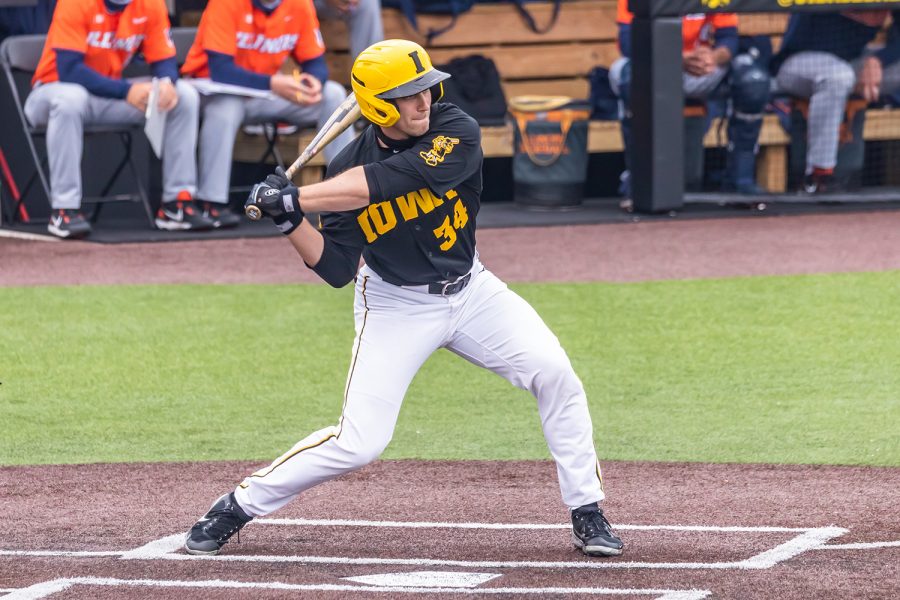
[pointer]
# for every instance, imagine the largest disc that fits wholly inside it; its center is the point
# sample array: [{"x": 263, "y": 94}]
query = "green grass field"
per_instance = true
[{"x": 770, "y": 369}]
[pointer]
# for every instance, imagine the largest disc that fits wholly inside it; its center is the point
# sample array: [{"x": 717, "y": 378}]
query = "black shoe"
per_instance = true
[
  {"x": 182, "y": 215},
  {"x": 592, "y": 532},
  {"x": 210, "y": 533},
  {"x": 817, "y": 185},
  {"x": 221, "y": 216},
  {"x": 68, "y": 224}
]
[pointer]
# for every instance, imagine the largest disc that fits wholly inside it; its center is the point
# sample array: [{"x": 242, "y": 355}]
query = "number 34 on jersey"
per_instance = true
[{"x": 379, "y": 218}]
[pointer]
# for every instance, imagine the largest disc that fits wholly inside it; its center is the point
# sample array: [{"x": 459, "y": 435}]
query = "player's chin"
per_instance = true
[{"x": 419, "y": 127}]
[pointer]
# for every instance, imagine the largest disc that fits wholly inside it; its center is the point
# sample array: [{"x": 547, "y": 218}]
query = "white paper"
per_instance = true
[
  {"x": 155, "y": 124},
  {"x": 208, "y": 86}
]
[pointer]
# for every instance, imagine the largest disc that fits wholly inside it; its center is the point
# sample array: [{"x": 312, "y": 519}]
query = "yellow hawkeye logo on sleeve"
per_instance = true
[{"x": 441, "y": 147}]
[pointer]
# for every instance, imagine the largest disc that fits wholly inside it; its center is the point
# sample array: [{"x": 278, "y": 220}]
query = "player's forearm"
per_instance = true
[
  {"x": 308, "y": 242},
  {"x": 347, "y": 191},
  {"x": 72, "y": 69},
  {"x": 721, "y": 55}
]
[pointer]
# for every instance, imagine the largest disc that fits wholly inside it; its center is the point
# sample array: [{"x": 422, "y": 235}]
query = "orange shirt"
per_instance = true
[
  {"x": 696, "y": 29},
  {"x": 258, "y": 42},
  {"x": 107, "y": 40}
]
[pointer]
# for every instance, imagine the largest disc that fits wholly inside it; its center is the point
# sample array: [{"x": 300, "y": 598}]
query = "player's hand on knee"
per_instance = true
[{"x": 282, "y": 205}]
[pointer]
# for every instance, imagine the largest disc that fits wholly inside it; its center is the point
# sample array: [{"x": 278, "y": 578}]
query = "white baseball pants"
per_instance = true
[{"x": 397, "y": 329}]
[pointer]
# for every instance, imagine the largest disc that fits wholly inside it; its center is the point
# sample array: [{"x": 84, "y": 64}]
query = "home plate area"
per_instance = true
[{"x": 340, "y": 558}]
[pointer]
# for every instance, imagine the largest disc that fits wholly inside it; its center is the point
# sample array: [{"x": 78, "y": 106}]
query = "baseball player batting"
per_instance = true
[{"x": 405, "y": 196}]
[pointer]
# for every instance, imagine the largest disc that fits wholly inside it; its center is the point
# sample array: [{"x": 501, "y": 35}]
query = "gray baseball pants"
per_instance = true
[
  {"x": 65, "y": 108},
  {"x": 223, "y": 114},
  {"x": 695, "y": 87},
  {"x": 827, "y": 81},
  {"x": 363, "y": 23}
]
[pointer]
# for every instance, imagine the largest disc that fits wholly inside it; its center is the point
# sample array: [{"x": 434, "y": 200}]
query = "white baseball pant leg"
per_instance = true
[
  {"x": 827, "y": 81},
  {"x": 498, "y": 330},
  {"x": 397, "y": 329},
  {"x": 223, "y": 114},
  {"x": 65, "y": 108}
]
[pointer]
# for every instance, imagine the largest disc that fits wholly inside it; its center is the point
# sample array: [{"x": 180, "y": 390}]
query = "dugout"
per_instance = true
[{"x": 658, "y": 169}]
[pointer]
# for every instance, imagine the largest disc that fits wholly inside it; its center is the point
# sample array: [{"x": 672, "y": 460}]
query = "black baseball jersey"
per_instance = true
[{"x": 419, "y": 226}]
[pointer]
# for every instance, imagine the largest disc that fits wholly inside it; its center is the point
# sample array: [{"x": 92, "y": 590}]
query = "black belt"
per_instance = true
[{"x": 448, "y": 288}]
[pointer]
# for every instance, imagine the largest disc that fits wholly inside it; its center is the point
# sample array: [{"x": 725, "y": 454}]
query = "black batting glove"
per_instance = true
[
  {"x": 278, "y": 179},
  {"x": 282, "y": 205}
]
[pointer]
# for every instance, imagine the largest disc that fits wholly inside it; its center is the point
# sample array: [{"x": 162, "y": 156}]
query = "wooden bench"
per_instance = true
[{"x": 555, "y": 63}]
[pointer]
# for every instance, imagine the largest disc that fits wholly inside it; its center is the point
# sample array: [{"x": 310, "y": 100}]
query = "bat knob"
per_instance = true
[{"x": 253, "y": 213}]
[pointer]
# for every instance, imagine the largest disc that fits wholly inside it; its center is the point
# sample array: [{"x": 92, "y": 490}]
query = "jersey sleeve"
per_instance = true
[
  {"x": 158, "y": 43},
  {"x": 623, "y": 15},
  {"x": 219, "y": 27},
  {"x": 310, "y": 44},
  {"x": 69, "y": 27},
  {"x": 724, "y": 20},
  {"x": 444, "y": 157},
  {"x": 343, "y": 245}
]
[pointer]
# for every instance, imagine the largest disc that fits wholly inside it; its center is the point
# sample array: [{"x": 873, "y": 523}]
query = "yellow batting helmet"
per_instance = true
[{"x": 392, "y": 69}]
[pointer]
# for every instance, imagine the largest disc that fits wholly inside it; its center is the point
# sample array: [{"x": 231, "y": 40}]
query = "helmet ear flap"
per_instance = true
[
  {"x": 378, "y": 111},
  {"x": 437, "y": 92}
]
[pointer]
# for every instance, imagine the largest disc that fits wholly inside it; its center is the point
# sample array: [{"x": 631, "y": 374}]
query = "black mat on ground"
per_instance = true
[
  {"x": 130, "y": 228},
  {"x": 123, "y": 231}
]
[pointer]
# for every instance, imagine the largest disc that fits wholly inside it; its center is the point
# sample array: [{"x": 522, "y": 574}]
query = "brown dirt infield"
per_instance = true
[{"x": 104, "y": 511}]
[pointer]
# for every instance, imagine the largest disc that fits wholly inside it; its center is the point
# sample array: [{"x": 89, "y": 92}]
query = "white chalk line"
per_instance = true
[
  {"x": 859, "y": 546},
  {"x": 34, "y": 237},
  {"x": 156, "y": 548},
  {"x": 517, "y": 526},
  {"x": 343, "y": 560},
  {"x": 42, "y": 590},
  {"x": 605, "y": 563},
  {"x": 62, "y": 553},
  {"x": 165, "y": 549},
  {"x": 800, "y": 544}
]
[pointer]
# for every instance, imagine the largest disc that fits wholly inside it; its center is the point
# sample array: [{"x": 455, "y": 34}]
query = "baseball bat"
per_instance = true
[{"x": 343, "y": 116}]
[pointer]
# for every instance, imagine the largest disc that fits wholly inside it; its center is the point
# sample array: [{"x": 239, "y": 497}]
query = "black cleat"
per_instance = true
[
  {"x": 182, "y": 214},
  {"x": 220, "y": 214},
  {"x": 68, "y": 224},
  {"x": 210, "y": 533},
  {"x": 819, "y": 185},
  {"x": 593, "y": 534}
]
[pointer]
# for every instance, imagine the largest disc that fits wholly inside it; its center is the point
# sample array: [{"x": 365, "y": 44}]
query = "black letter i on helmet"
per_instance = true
[{"x": 414, "y": 55}]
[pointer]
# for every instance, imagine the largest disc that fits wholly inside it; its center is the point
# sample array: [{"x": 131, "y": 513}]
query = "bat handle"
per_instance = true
[
  {"x": 301, "y": 160},
  {"x": 253, "y": 213}
]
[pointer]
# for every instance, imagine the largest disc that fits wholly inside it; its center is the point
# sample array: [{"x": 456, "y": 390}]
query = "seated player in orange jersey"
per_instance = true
[
  {"x": 79, "y": 82},
  {"x": 245, "y": 43}
]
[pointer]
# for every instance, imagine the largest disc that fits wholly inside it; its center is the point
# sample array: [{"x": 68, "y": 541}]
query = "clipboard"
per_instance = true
[
  {"x": 155, "y": 120},
  {"x": 208, "y": 86}
]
